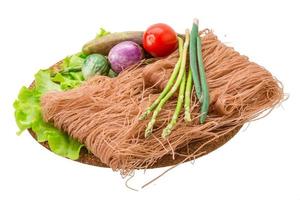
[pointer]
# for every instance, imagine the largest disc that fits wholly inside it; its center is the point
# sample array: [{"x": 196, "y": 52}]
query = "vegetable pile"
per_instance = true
[
  {"x": 108, "y": 55},
  {"x": 137, "y": 99},
  {"x": 184, "y": 84}
]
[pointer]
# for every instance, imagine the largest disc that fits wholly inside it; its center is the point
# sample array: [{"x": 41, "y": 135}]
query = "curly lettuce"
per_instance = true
[
  {"x": 70, "y": 75},
  {"x": 28, "y": 113}
]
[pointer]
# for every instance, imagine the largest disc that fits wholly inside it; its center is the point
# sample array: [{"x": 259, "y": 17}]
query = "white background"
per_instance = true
[{"x": 261, "y": 162}]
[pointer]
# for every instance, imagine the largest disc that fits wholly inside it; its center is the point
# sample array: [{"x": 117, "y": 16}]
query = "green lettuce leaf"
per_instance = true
[
  {"x": 68, "y": 81},
  {"x": 43, "y": 83},
  {"x": 28, "y": 115},
  {"x": 70, "y": 75},
  {"x": 27, "y": 109},
  {"x": 73, "y": 61}
]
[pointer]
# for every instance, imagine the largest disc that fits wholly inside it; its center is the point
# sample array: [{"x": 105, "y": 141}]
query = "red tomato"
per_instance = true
[{"x": 160, "y": 40}]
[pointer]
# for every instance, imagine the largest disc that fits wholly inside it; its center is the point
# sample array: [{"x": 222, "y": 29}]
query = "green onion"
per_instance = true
[
  {"x": 205, "y": 100},
  {"x": 193, "y": 59}
]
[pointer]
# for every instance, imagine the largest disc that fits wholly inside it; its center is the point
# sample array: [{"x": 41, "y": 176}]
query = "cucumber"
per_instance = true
[{"x": 103, "y": 44}]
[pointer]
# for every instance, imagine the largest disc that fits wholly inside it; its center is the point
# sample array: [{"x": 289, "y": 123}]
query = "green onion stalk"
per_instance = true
[
  {"x": 205, "y": 99},
  {"x": 193, "y": 59}
]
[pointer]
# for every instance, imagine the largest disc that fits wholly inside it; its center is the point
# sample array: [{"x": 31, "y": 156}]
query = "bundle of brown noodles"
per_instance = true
[{"x": 103, "y": 113}]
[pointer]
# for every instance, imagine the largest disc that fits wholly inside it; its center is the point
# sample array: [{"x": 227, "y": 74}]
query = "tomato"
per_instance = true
[{"x": 160, "y": 40}]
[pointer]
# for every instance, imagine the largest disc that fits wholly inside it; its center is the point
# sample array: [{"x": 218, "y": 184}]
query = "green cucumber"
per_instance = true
[{"x": 102, "y": 45}]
